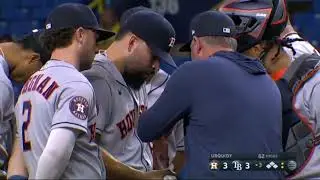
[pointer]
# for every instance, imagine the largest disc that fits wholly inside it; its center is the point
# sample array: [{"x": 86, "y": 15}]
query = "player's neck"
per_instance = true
[
  {"x": 115, "y": 55},
  {"x": 211, "y": 50},
  {"x": 64, "y": 54}
]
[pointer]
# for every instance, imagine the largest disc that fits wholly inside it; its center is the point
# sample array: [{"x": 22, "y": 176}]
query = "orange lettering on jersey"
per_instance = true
[
  {"x": 50, "y": 90},
  {"x": 43, "y": 84},
  {"x": 127, "y": 124},
  {"x": 122, "y": 127},
  {"x": 35, "y": 85}
]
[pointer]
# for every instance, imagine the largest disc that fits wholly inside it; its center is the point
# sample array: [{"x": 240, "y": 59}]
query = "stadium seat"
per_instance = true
[
  {"x": 40, "y": 13},
  {"x": 49, "y": 3},
  {"x": 312, "y": 34},
  {"x": 4, "y": 29},
  {"x": 32, "y": 3},
  {"x": 316, "y": 6},
  {"x": 19, "y": 28},
  {"x": 12, "y": 14},
  {"x": 68, "y": 1},
  {"x": 300, "y": 21},
  {"x": 9, "y": 3}
]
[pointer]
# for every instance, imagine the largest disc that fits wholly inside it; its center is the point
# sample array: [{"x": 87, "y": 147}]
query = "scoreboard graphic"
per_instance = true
[{"x": 258, "y": 162}]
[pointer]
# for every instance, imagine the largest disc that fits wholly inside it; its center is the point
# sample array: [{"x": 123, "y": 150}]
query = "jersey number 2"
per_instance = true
[{"x": 26, "y": 107}]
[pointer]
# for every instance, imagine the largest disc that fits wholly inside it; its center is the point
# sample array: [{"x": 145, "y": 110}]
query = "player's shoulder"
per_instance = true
[
  {"x": 7, "y": 92},
  {"x": 5, "y": 81},
  {"x": 101, "y": 69},
  {"x": 65, "y": 76},
  {"x": 158, "y": 80}
]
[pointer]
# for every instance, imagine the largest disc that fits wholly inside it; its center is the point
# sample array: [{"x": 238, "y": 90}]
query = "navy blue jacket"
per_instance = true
[{"x": 229, "y": 105}]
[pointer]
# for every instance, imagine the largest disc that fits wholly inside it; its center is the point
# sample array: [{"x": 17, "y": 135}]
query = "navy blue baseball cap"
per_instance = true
[
  {"x": 210, "y": 23},
  {"x": 155, "y": 30},
  {"x": 33, "y": 42},
  {"x": 75, "y": 15}
]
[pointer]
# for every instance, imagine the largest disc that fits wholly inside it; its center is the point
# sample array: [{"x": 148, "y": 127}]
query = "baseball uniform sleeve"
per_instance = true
[
  {"x": 171, "y": 106},
  {"x": 103, "y": 93},
  {"x": 75, "y": 106},
  {"x": 53, "y": 160},
  {"x": 315, "y": 102},
  {"x": 6, "y": 102}
]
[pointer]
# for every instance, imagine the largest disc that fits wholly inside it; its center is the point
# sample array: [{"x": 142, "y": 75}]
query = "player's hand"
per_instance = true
[{"x": 164, "y": 174}]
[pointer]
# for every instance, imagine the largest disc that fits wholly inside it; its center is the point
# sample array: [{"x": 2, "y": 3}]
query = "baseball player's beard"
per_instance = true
[
  {"x": 135, "y": 79},
  {"x": 84, "y": 65}
]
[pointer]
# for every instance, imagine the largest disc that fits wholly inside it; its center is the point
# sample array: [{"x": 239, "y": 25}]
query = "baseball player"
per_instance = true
[
  {"x": 168, "y": 152},
  {"x": 118, "y": 77},
  {"x": 164, "y": 150},
  {"x": 57, "y": 104},
  {"x": 18, "y": 60}
]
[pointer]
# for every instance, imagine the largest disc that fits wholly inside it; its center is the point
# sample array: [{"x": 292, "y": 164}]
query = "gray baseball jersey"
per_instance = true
[
  {"x": 59, "y": 96},
  {"x": 176, "y": 139},
  {"x": 308, "y": 104},
  {"x": 6, "y": 109},
  {"x": 118, "y": 111}
]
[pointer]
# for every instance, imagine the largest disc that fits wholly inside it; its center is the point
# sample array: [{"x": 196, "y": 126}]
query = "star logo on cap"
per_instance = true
[
  {"x": 172, "y": 41},
  {"x": 193, "y": 32}
]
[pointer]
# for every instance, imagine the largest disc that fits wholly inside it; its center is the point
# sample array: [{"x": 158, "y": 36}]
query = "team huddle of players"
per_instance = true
[
  {"x": 77, "y": 114},
  {"x": 63, "y": 115}
]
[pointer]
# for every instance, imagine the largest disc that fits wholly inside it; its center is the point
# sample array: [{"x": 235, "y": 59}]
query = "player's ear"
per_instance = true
[
  {"x": 255, "y": 51},
  {"x": 132, "y": 43},
  {"x": 197, "y": 45},
  {"x": 79, "y": 35},
  {"x": 33, "y": 57}
]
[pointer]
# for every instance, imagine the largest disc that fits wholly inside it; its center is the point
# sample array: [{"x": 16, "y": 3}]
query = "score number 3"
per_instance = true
[{"x": 26, "y": 107}]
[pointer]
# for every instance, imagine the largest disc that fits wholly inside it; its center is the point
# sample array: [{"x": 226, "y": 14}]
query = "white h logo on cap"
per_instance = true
[{"x": 226, "y": 30}]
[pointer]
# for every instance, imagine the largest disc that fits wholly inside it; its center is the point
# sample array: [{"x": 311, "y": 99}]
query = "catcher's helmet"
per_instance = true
[{"x": 256, "y": 20}]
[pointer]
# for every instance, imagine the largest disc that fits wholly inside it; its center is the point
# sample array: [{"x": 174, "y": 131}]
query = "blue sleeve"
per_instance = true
[{"x": 173, "y": 104}]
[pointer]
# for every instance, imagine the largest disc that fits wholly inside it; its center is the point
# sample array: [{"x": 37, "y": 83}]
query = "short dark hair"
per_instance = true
[
  {"x": 121, "y": 33},
  {"x": 32, "y": 42},
  {"x": 227, "y": 42},
  {"x": 53, "y": 39}
]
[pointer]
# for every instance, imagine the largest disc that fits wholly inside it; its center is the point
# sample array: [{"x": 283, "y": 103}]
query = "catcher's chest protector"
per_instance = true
[{"x": 302, "y": 138}]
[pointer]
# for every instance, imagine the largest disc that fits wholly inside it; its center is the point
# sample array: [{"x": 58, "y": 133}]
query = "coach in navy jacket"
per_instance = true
[{"x": 228, "y": 102}]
